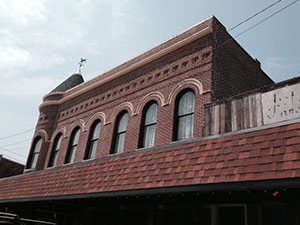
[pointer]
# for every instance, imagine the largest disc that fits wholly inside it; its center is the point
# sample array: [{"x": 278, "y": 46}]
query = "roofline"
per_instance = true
[
  {"x": 199, "y": 188},
  {"x": 135, "y": 66}
]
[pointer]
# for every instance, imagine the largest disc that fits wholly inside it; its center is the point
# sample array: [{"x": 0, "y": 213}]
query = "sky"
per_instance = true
[{"x": 42, "y": 41}]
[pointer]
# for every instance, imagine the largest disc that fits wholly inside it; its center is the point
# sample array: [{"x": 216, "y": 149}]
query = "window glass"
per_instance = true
[
  {"x": 186, "y": 103},
  {"x": 93, "y": 140},
  {"x": 35, "y": 153},
  {"x": 73, "y": 145},
  {"x": 151, "y": 114},
  {"x": 149, "y": 125},
  {"x": 119, "y": 136},
  {"x": 123, "y": 123},
  {"x": 184, "y": 120},
  {"x": 55, "y": 150}
]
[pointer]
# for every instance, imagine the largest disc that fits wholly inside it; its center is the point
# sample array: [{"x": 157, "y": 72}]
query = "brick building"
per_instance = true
[
  {"x": 9, "y": 168},
  {"x": 177, "y": 135}
]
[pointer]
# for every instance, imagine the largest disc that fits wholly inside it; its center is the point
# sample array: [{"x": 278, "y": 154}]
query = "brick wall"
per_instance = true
[
  {"x": 197, "y": 65},
  {"x": 234, "y": 70},
  {"x": 9, "y": 168}
]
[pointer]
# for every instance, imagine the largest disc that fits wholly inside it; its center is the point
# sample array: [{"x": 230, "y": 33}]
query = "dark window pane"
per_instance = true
[
  {"x": 93, "y": 140},
  {"x": 38, "y": 146},
  {"x": 58, "y": 142},
  {"x": 96, "y": 131},
  {"x": 149, "y": 135},
  {"x": 55, "y": 150},
  {"x": 123, "y": 123},
  {"x": 76, "y": 138},
  {"x": 151, "y": 114},
  {"x": 184, "y": 119},
  {"x": 35, "y": 153},
  {"x": 119, "y": 133},
  {"x": 73, "y": 146},
  {"x": 149, "y": 125},
  {"x": 72, "y": 153},
  {"x": 186, "y": 103},
  {"x": 185, "y": 127},
  {"x": 120, "y": 143},
  {"x": 34, "y": 160},
  {"x": 93, "y": 149},
  {"x": 55, "y": 156}
]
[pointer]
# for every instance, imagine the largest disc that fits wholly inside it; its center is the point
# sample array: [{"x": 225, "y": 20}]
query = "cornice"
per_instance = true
[{"x": 135, "y": 66}]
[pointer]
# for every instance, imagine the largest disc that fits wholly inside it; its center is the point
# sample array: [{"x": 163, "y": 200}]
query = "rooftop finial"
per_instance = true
[{"x": 82, "y": 60}]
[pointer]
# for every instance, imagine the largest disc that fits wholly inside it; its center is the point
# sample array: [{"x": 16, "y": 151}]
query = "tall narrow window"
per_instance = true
[
  {"x": 92, "y": 144},
  {"x": 55, "y": 150},
  {"x": 184, "y": 115},
  {"x": 73, "y": 145},
  {"x": 119, "y": 133},
  {"x": 34, "y": 153},
  {"x": 148, "y": 128}
]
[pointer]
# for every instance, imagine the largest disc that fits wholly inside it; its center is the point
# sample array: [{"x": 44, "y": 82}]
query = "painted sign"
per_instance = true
[{"x": 281, "y": 104}]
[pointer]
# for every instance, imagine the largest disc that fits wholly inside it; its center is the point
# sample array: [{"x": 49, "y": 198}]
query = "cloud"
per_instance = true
[{"x": 23, "y": 12}]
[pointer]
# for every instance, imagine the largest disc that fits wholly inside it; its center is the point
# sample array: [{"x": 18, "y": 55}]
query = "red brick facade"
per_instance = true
[{"x": 200, "y": 64}]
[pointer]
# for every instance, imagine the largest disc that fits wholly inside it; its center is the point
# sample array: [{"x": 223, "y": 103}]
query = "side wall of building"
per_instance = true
[
  {"x": 234, "y": 70},
  {"x": 9, "y": 168}
]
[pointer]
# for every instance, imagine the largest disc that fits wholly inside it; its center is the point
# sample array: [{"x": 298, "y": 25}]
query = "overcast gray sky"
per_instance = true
[{"x": 41, "y": 42}]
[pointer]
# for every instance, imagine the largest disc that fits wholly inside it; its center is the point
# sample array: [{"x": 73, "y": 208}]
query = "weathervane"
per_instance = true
[{"x": 82, "y": 60}]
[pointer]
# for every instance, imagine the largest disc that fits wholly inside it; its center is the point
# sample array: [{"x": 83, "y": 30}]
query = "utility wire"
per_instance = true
[
  {"x": 15, "y": 143},
  {"x": 3, "y": 149},
  {"x": 14, "y": 149},
  {"x": 273, "y": 14},
  {"x": 13, "y": 135},
  {"x": 256, "y": 14},
  {"x": 268, "y": 17}
]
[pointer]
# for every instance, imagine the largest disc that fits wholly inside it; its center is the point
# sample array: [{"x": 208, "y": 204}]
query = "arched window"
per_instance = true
[
  {"x": 148, "y": 125},
  {"x": 184, "y": 115},
  {"x": 93, "y": 140},
  {"x": 72, "y": 145},
  {"x": 119, "y": 133},
  {"x": 34, "y": 153},
  {"x": 55, "y": 150}
]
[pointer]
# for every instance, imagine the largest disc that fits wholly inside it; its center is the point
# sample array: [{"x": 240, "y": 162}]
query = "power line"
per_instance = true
[
  {"x": 268, "y": 17},
  {"x": 3, "y": 149},
  {"x": 13, "y": 135},
  {"x": 15, "y": 143},
  {"x": 256, "y": 14},
  {"x": 273, "y": 14},
  {"x": 14, "y": 149}
]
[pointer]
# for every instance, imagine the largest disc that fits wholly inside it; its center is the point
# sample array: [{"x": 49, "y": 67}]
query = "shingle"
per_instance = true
[{"x": 188, "y": 164}]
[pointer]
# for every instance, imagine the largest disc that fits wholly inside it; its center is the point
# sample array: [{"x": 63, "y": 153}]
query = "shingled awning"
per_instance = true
[{"x": 269, "y": 153}]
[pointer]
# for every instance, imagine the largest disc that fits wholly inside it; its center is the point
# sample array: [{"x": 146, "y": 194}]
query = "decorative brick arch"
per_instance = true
[
  {"x": 193, "y": 83},
  {"x": 78, "y": 123},
  {"x": 99, "y": 115},
  {"x": 41, "y": 133},
  {"x": 62, "y": 130},
  {"x": 156, "y": 95},
  {"x": 124, "y": 105}
]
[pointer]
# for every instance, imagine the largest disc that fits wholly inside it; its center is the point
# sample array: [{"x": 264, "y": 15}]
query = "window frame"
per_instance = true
[
  {"x": 34, "y": 155},
  {"x": 55, "y": 150},
  {"x": 90, "y": 143},
  {"x": 177, "y": 116},
  {"x": 72, "y": 147},
  {"x": 117, "y": 134},
  {"x": 144, "y": 126}
]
